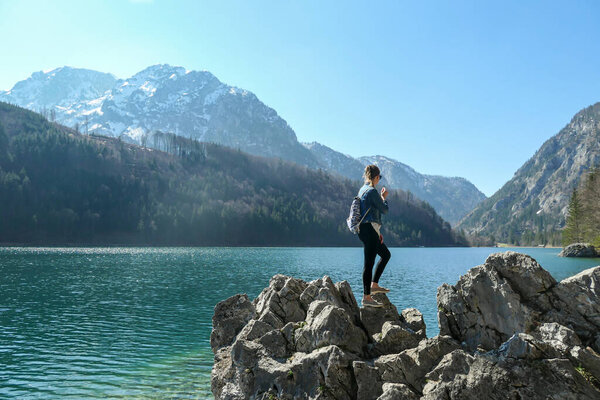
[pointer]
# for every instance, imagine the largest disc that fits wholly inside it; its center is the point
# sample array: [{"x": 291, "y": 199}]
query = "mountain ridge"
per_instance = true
[
  {"x": 197, "y": 105},
  {"x": 531, "y": 207}
]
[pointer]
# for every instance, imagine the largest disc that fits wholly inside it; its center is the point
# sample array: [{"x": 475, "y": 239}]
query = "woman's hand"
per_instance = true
[{"x": 384, "y": 193}]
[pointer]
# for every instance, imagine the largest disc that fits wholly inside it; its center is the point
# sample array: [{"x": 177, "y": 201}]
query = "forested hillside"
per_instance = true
[
  {"x": 60, "y": 187},
  {"x": 530, "y": 209},
  {"x": 583, "y": 218}
]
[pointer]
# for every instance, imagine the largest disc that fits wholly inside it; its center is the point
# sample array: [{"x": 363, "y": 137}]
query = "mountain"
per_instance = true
[
  {"x": 193, "y": 104},
  {"x": 60, "y": 89},
  {"x": 451, "y": 197},
  {"x": 196, "y": 105},
  {"x": 531, "y": 207},
  {"x": 58, "y": 186}
]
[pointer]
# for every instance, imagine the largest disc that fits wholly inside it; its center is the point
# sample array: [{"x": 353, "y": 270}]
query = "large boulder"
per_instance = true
[
  {"x": 579, "y": 250},
  {"x": 512, "y": 293}
]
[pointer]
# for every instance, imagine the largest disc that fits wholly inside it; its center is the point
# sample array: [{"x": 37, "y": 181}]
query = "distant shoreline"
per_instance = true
[
  {"x": 358, "y": 245},
  {"x": 503, "y": 245}
]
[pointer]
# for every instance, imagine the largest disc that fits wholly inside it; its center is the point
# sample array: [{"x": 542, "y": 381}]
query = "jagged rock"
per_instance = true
[
  {"x": 410, "y": 366},
  {"x": 299, "y": 340},
  {"x": 487, "y": 377},
  {"x": 566, "y": 342},
  {"x": 230, "y": 316},
  {"x": 524, "y": 346},
  {"x": 394, "y": 338},
  {"x": 369, "y": 383},
  {"x": 397, "y": 391},
  {"x": 373, "y": 318},
  {"x": 330, "y": 325},
  {"x": 576, "y": 304},
  {"x": 414, "y": 319},
  {"x": 579, "y": 250},
  {"x": 512, "y": 333},
  {"x": 457, "y": 362},
  {"x": 280, "y": 301},
  {"x": 511, "y": 293}
]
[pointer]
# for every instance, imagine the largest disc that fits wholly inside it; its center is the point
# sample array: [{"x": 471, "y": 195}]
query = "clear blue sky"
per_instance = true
[{"x": 455, "y": 88}]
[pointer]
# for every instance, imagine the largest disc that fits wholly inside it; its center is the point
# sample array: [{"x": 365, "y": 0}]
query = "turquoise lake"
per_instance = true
[{"x": 135, "y": 322}]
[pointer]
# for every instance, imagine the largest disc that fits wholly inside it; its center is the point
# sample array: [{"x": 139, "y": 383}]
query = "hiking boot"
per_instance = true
[{"x": 371, "y": 303}]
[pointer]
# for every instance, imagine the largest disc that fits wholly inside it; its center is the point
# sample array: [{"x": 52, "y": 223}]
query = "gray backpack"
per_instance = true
[{"x": 354, "y": 220}]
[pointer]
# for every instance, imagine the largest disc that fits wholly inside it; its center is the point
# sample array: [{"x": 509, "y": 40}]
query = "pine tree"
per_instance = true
[{"x": 573, "y": 231}]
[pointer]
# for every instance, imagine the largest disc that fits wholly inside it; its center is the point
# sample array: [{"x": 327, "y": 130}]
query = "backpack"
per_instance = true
[{"x": 354, "y": 218}]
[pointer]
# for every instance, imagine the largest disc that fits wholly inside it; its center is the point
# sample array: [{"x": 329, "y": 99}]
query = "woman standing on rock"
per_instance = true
[{"x": 373, "y": 204}]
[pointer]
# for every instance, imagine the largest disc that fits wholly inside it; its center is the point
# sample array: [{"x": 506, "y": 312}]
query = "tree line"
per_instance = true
[
  {"x": 61, "y": 187},
  {"x": 583, "y": 215}
]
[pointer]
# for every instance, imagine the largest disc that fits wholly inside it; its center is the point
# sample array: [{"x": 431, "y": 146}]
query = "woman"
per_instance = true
[{"x": 373, "y": 204}]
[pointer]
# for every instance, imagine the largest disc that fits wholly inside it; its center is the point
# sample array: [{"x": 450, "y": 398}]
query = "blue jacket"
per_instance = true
[{"x": 370, "y": 197}]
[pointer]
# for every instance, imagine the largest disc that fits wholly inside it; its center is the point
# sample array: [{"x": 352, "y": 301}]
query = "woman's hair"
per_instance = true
[{"x": 371, "y": 171}]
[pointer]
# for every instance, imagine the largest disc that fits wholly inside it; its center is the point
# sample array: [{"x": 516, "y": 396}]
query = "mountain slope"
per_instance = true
[
  {"x": 60, "y": 88},
  {"x": 58, "y": 186},
  {"x": 451, "y": 197},
  {"x": 533, "y": 204},
  {"x": 195, "y": 104}
]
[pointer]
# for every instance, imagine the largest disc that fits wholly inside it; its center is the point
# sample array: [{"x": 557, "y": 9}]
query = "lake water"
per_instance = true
[{"x": 135, "y": 322}]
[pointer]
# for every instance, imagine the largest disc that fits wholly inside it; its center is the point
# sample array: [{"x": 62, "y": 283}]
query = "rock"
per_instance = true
[
  {"x": 508, "y": 331},
  {"x": 397, "y": 391},
  {"x": 524, "y": 346},
  {"x": 487, "y": 377},
  {"x": 410, "y": 366},
  {"x": 576, "y": 304},
  {"x": 510, "y": 293},
  {"x": 281, "y": 301},
  {"x": 457, "y": 362},
  {"x": 394, "y": 338},
  {"x": 296, "y": 339},
  {"x": 579, "y": 250},
  {"x": 373, "y": 318},
  {"x": 369, "y": 384},
  {"x": 414, "y": 319},
  {"x": 558, "y": 336},
  {"x": 483, "y": 309},
  {"x": 330, "y": 326},
  {"x": 230, "y": 317}
]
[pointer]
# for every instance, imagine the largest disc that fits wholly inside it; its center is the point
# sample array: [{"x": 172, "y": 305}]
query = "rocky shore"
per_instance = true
[{"x": 508, "y": 330}]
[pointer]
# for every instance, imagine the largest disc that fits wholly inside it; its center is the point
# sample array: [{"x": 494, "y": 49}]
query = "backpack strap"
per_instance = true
[{"x": 361, "y": 220}]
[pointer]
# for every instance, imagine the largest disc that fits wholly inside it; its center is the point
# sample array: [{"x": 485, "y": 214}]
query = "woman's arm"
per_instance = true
[{"x": 378, "y": 202}]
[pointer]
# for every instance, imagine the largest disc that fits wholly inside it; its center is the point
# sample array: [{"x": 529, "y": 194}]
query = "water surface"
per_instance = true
[{"x": 135, "y": 322}]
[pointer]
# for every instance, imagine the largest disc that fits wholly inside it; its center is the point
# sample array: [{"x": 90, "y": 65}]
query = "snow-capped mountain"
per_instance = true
[
  {"x": 163, "y": 98},
  {"x": 451, "y": 197},
  {"x": 60, "y": 88},
  {"x": 197, "y": 105}
]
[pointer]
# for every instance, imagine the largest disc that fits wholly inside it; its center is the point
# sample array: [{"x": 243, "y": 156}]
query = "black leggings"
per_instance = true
[{"x": 373, "y": 247}]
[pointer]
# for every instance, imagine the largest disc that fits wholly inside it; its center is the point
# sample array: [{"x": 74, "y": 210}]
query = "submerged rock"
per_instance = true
[
  {"x": 507, "y": 330},
  {"x": 579, "y": 250}
]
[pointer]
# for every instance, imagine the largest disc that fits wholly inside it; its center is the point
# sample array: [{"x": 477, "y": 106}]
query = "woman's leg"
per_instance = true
[
  {"x": 369, "y": 238},
  {"x": 385, "y": 255}
]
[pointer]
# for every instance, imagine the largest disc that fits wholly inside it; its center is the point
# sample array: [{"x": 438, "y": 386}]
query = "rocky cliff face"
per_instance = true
[
  {"x": 537, "y": 197},
  {"x": 507, "y": 331}
]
